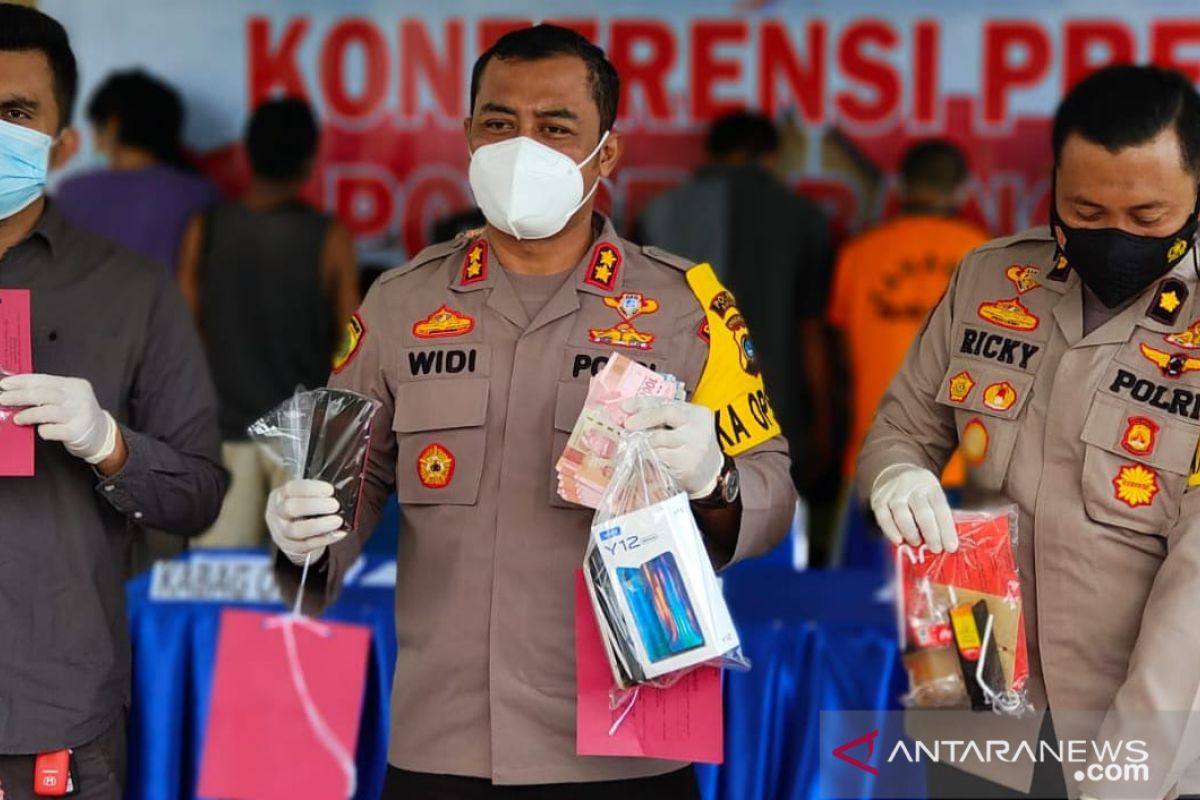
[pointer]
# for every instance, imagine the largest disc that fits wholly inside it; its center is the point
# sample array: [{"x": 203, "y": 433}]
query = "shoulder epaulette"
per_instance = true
[
  {"x": 433, "y": 252},
  {"x": 670, "y": 259},
  {"x": 1041, "y": 233}
]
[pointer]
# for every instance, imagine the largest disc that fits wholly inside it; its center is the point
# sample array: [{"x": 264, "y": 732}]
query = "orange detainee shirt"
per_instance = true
[{"x": 885, "y": 283}]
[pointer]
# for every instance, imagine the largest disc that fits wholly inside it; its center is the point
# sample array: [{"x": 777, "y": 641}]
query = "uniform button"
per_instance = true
[
  {"x": 109, "y": 488},
  {"x": 138, "y": 515}
]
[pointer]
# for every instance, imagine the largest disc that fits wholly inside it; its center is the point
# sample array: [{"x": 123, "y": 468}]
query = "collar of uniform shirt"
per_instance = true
[{"x": 50, "y": 226}]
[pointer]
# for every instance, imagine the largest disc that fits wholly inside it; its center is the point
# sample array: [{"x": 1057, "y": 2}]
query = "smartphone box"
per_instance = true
[{"x": 657, "y": 597}]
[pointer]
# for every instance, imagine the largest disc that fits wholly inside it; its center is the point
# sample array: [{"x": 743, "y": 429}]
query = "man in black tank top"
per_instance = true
[{"x": 271, "y": 281}]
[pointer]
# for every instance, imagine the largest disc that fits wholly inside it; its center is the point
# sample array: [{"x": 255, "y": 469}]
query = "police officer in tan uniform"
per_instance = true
[
  {"x": 1065, "y": 362},
  {"x": 479, "y": 352}
]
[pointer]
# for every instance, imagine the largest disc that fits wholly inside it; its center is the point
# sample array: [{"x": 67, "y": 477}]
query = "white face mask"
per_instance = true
[{"x": 526, "y": 189}]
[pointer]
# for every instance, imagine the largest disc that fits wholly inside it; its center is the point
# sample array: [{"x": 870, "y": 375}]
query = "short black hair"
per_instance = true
[
  {"x": 281, "y": 139},
  {"x": 548, "y": 41},
  {"x": 148, "y": 112},
  {"x": 1125, "y": 105},
  {"x": 742, "y": 133},
  {"x": 24, "y": 28},
  {"x": 934, "y": 164}
]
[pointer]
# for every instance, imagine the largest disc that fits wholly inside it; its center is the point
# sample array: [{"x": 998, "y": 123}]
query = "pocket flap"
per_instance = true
[
  {"x": 984, "y": 389},
  {"x": 440, "y": 404},
  {"x": 1141, "y": 435},
  {"x": 568, "y": 404}
]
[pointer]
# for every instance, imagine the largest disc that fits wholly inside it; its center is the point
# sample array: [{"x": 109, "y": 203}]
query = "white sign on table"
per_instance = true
[{"x": 230, "y": 579}]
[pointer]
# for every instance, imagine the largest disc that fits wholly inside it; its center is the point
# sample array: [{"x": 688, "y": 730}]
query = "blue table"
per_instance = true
[{"x": 817, "y": 641}]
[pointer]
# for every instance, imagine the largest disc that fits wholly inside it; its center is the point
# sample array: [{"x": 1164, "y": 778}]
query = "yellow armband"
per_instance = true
[{"x": 732, "y": 384}]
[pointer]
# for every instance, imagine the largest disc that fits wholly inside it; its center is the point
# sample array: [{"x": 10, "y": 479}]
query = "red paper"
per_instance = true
[
  {"x": 16, "y": 358},
  {"x": 260, "y": 745},
  {"x": 984, "y": 562},
  {"x": 682, "y": 723}
]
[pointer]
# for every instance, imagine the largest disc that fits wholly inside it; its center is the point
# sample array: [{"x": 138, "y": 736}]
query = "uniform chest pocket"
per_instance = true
[
  {"x": 441, "y": 439},
  {"x": 1136, "y": 465},
  {"x": 988, "y": 404},
  {"x": 567, "y": 405}
]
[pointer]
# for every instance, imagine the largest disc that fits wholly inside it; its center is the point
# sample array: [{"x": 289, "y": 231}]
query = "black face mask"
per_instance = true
[{"x": 1116, "y": 265}]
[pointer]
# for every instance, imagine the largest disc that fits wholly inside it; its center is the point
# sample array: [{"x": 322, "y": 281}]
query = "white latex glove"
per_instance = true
[
  {"x": 684, "y": 437},
  {"x": 910, "y": 506},
  {"x": 302, "y": 518},
  {"x": 64, "y": 410}
]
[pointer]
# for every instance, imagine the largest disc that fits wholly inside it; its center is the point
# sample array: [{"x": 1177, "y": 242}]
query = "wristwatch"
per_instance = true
[{"x": 729, "y": 487}]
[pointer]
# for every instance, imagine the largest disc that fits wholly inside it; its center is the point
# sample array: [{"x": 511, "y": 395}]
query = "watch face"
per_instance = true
[{"x": 731, "y": 486}]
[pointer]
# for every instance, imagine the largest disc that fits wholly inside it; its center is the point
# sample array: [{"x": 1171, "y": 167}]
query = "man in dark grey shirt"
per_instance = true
[
  {"x": 126, "y": 436},
  {"x": 773, "y": 249}
]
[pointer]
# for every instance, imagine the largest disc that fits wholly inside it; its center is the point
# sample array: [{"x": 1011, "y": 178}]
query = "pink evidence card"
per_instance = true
[{"x": 16, "y": 358}]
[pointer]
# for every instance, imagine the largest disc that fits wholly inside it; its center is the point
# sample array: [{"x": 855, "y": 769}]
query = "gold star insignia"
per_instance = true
[
  {"x": 1169, "y": 301},
  {"x": 475, "y": 266},
  {"x": 603, "y": 271},
  {"x": 608, "y": 258}
]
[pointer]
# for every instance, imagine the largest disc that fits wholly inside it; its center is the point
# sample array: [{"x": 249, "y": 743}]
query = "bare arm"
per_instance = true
[
  {"x": 339, "y": 266},
  {"x": 188, "y": 275}
]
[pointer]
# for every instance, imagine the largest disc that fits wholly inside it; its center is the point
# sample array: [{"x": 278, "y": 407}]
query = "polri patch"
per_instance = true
[
  {"x": 631, "y": 305},
  {"x": 435, "y": 466},
  {"x": 1011, "y": 314},
  {"x": 1178, "y": 248},
  {"x": 1187, "y": 339},
  {"x": 1135, "y": 485},
  {"x": 351, "y": 343},
  {"x": 1000, "y": 396},
  {"x": 1023, "y": 277},
  {"x": 1172, "y": 365},
  {"x": 960, "y": 386},
  {"x": 974, "y": 442},
  {"x": 623, "y": 334},
  {"x": 1141, "y": 434},
  {"x": 443, "y": 323}
]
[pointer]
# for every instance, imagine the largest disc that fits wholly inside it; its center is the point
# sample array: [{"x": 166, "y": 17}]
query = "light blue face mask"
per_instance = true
[{"x": 24, "y": 161}]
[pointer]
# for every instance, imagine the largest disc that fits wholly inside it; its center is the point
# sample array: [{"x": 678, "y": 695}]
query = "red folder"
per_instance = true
[{"x": 286, "y": 706}]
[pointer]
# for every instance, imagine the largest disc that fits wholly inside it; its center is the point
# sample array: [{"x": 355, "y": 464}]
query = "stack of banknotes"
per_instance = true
[{"x": 586, "y": 465}]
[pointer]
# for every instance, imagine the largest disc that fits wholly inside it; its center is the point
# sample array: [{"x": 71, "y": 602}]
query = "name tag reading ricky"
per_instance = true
[{"x": 240, "y": 579}]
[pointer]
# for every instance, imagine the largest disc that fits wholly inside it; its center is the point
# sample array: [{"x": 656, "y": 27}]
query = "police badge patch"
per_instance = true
[
  {"x": 435, "y": 466},
  {"x": 351, "y": 343},
  {"x": 631, "y": 305}
]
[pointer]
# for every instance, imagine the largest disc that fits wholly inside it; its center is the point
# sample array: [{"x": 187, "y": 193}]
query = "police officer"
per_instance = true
[
  {"x": 479, "y": 351},
  {"x": 1063, "y": 361}
]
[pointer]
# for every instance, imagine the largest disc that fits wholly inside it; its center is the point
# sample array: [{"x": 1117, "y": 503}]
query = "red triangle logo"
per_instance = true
[{"x": 869, "y": 740}]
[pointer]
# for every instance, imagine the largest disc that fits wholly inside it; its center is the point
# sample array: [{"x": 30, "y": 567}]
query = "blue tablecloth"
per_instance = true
[{"x": 818, "y": 641}]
